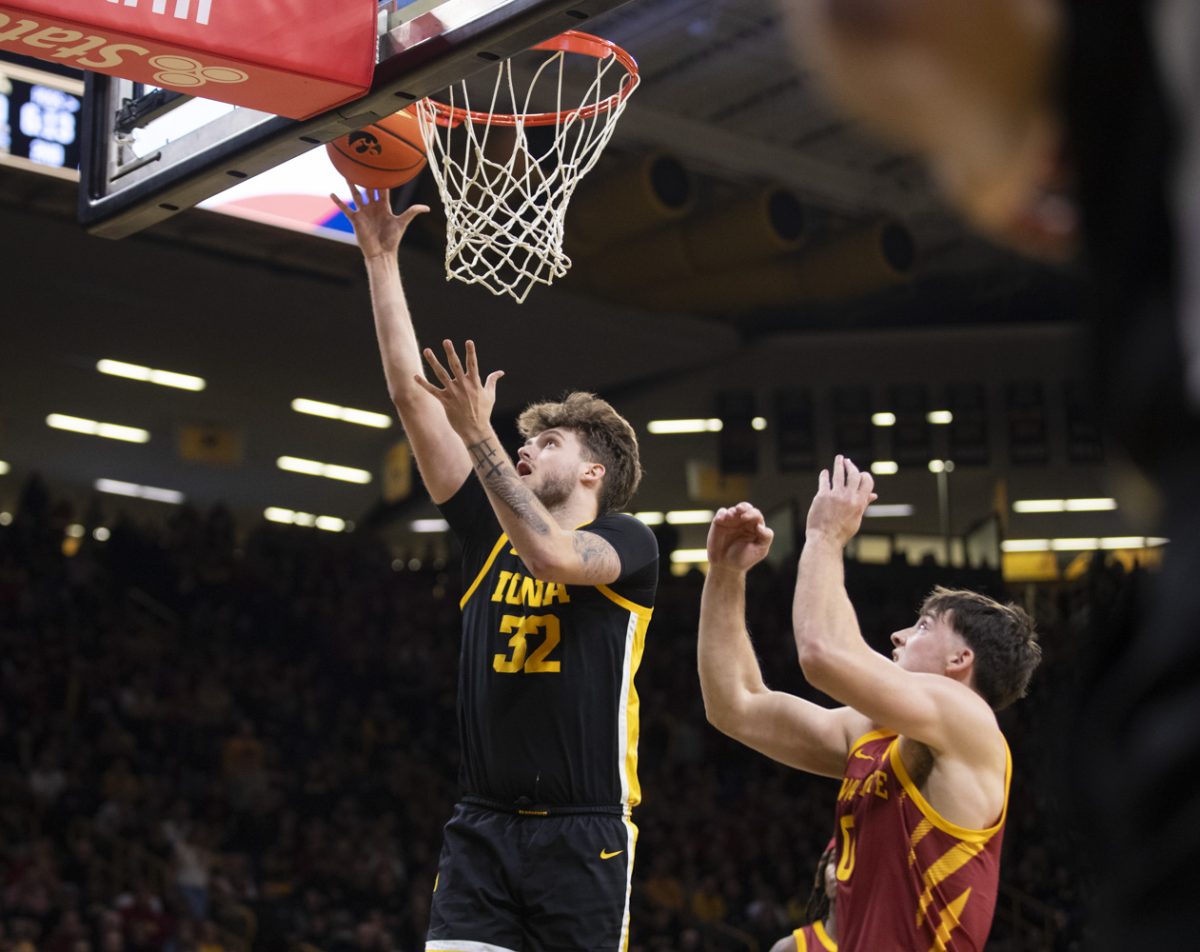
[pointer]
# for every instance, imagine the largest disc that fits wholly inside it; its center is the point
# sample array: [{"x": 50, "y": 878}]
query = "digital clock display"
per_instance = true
[{"x": 39, "y": 123}]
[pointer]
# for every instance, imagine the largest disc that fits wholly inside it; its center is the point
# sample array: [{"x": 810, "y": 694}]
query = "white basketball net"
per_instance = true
[{"x": 504, "y": 212}]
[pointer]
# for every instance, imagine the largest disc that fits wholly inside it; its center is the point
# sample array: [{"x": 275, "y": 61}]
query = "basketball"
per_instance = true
[{"x": 382, "y": 155}]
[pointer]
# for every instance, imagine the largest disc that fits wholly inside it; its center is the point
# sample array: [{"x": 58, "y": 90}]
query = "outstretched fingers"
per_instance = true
[
  {"x": 452, "y": 361},
  {"x": 436, "y": 366}
]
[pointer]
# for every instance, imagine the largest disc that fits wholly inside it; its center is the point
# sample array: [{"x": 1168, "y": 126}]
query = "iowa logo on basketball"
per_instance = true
[{"x": 363, "y": 143}]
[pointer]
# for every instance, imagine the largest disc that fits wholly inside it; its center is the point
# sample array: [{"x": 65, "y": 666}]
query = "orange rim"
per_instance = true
[{"x": 572, "y": 41}]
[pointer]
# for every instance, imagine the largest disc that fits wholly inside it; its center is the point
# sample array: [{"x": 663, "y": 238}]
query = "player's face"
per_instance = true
[
  {"x": 550, "y": 464},
  {"x": 927, "y": 646}
]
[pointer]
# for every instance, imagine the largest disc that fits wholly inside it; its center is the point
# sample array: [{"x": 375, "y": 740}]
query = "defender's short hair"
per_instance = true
[{"x": 1002, "y": 637}]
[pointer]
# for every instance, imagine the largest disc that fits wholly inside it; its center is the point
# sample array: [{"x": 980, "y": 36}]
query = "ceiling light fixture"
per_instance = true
[
  {"x": 689, "y": 517},
  {"x": 670, "y": 427},
  {"x": 118, "y": 487},
  {"x": 1064, "y": 505},
  {"x": 164, "y": 378},
  {"x": 331, "y": 411},
  {"x": 305, "y": 519},
  {"x": 110, "y": 431},
  {"x": 889, "y": 510},
  {"x": 310, "y": 467}
]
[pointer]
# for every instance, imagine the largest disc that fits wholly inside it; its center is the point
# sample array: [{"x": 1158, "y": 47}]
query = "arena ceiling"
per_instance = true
[{"x": 267, "y": 316}]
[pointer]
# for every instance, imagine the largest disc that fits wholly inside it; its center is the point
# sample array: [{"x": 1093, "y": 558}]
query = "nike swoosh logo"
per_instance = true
[
  {"x": 861, "y": 756},
  {"x": 605, "y": 854}
]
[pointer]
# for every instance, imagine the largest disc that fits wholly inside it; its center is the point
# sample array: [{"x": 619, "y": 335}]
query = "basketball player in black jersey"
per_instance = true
[{"x": 560, "y": 585}]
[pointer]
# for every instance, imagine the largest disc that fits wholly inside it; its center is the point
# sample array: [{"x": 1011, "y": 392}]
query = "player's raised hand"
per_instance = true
[
  {"x": 843, "y": 494},
  {"x": 738, "y": 538},
  {"x": 377, "y": 229},
  {"x": 467, "y": 398}
]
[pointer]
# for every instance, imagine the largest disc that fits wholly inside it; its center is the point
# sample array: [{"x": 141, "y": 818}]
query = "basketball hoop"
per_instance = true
[{"x": 505, "y": 202}]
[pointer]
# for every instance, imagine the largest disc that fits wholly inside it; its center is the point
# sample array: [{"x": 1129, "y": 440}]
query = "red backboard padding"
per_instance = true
[{"x": 294, "y": 58}]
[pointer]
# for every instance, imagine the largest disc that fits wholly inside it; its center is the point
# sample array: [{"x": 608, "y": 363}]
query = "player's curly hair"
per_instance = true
[
  {"x": 606, "y": 436},
  {"x": 1002, "y": 637},
  {"x": 817, "y": 907}
]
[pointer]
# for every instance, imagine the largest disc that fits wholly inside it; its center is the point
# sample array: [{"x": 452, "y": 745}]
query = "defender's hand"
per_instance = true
[
  {"x": 843, "y": 495},
  {"x": 738, "y": 538}
]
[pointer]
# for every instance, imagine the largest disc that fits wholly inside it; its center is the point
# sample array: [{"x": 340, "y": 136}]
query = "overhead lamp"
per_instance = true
[
  {"x": 429, "y": 525},
  {"x": 689, "y": 517},
  {"x": 689, "y": 556},
  {"x": 939, "y": 417},
  {"x": 883, "y": 419},
  {"x": 4, "y": 468},
  {"x": 650, "y": 518},
  {"x": 758, "y": 423},
  {"x": 1064, "y": 505},
  {"x": 118, "y": 487},
  {"x": 889, "y": 510},
  {"x": 310, "y": 467},
  {"x": 331, "y": 411},
  {"x": 164, "y": 378},
  {"x": 1025, "y": 545},
  {"x": 110, "y": 431},
  {"x": 305, "y": 519},
  {"x": 885, "y": 467},
  {"x": 668, "y": 427},
  {"x": 1084, "y": 544},
  {"x": 941, "y": 466},
  {"x": 1090, "y": 505}
]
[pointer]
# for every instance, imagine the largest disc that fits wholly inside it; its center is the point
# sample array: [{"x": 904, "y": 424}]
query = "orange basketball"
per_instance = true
[{"x": 383, "y": 155}]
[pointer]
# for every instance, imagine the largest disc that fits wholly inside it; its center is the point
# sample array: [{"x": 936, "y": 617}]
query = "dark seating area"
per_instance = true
[{"x": 213, "y": 739}]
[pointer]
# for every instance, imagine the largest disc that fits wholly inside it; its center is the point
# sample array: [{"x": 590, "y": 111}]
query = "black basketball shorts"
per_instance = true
[{"x": 532, "y": 881}]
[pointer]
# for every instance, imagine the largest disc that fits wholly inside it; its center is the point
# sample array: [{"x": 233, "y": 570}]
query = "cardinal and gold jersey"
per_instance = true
[
  {"x": 547, "y": 708},
  {"x": 907, "y": 877},
  {"x": 814, "y": 938}
]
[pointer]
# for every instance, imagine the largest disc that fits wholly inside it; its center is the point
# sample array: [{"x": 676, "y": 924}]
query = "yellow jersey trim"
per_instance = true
[
  {"x": 633, "y": 710},
  {"x": 867, "y": 738},
  {"x": 823, "y": 936},
  {"x": 462, "y": 602},
  {"x": 963, "y": 833},
  {"x": 624, "y": 602}
]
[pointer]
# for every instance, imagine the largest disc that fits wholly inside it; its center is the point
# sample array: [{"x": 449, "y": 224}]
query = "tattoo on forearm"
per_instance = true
[
  {"x": 496, "y": 472},
  {"x": 485, "y": 455}
]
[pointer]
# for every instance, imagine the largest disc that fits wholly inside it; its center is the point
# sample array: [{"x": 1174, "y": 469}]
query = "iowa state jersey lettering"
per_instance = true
[
  {"x": 907, "y": 877},
  {"x": 548, "y": 710}
]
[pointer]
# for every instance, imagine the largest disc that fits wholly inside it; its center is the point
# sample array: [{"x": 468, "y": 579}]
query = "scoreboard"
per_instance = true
[{"x": 39, "y": 116}]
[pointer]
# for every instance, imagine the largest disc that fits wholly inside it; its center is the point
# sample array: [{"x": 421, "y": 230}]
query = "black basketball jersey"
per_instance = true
[{"x": 547, "y": 709}]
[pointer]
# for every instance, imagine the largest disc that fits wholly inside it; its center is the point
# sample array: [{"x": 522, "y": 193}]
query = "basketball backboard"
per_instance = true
[{"x": 148, "y": 153}]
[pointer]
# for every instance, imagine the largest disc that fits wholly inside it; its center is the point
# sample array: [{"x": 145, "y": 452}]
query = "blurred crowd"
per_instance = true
[{"x": 213, "y": 740}]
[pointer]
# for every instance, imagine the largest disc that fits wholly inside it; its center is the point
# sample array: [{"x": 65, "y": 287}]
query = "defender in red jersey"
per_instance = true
[{"x": 924, "y": 767}]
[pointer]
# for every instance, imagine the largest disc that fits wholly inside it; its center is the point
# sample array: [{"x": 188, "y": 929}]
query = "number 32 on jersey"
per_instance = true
[{"x": 521, "y": 630}]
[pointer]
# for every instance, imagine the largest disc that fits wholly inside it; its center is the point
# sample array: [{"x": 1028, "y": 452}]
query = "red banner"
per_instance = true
[{"x": 294, "y": 58}]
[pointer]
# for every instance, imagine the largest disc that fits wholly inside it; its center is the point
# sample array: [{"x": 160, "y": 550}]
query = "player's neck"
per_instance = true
[{"x": 576, "y": 510}]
